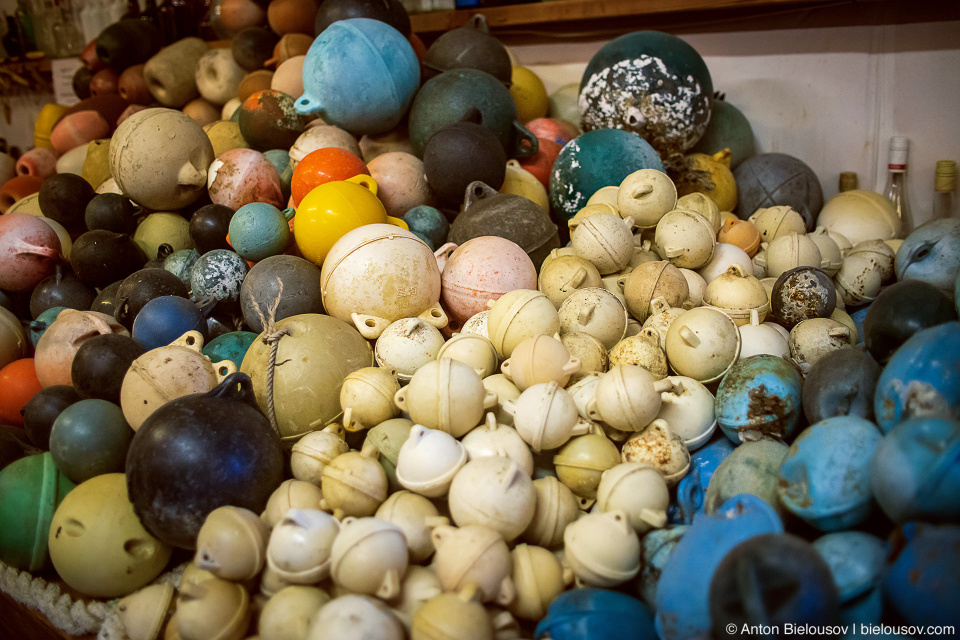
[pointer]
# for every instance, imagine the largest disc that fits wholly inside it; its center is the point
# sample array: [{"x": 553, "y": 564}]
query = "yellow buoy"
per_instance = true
[
  {"x": 724, "y": 193},
  {"x": 529, "y": 94}
]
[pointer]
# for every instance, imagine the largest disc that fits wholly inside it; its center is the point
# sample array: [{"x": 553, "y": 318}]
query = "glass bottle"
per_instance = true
[
  {"x": 944, "y": 186},
  {"x": 896, "y": 191},
  {"x": 133, "y": 10},
  {"x": 848, "y": 181}
]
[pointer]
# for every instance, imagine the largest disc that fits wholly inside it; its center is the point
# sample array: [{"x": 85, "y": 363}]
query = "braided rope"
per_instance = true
[{"x": 271, "y": 336}]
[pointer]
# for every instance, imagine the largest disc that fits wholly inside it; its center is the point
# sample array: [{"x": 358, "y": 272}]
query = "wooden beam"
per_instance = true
[{"x": 576, "y": 10}]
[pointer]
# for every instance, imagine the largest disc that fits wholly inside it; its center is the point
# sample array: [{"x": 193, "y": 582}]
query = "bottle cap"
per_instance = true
[
  {"x": 899, "y": 146},
  {"x": 946, "y": 176},
  {"x": 848, "y": 181}
]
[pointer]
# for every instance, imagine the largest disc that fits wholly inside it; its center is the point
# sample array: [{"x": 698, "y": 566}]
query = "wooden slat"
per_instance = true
[
  {"x": 21, "y": 622},
  {"x": 574, "y": 10}
]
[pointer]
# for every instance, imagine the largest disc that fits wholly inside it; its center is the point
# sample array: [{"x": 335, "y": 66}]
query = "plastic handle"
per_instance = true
[
  {"x": 476, "y": 191},
  {"x": 224, "y": 369},
  {"x": 390, "y": 587},
  {"x": 572, "y": 366},
  {"x": 582, "y": 427},
  {"x": 400, "y": 399},
  {"x": 586, "y": 314},
  {"x": 591, "y": 408},
  {"x": 307, "y": 105},
  {"x": 575, "y": 280},
  {"x": 192, "y": 340},
  {"x": 526, "y": 144},
  {"x": 507, "y": 593},
  {"x": 490, "y": 399},
  {"x": 435, "y": 316},
  {"x": 443, "y": 254},
  {"x": 398, "y": 222},
  {"x": 478, "y": 21},
  {"x": 659, "y": 305},
  {"x": 365, "y": 181},
  {"x": 370, "y": 327},
  {"x": 736, "y": 269},
  {"x": 689, "y": 337},
  {"x": 641, "y": 191}
]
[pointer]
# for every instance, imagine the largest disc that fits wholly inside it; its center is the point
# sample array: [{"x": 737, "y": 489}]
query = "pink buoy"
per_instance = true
[
  {"x": 401, "y": 181},
  {"x": 60, "y": 342},
  {"x": 38, "y": 162},
  {"x": 483, "y": 269},
  {"x": 78, "y": 129},
  {"x": 29, "y": 249},
  {"x": 242, "y": 176}
]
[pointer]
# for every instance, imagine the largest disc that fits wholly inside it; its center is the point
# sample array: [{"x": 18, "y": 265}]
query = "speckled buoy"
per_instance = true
[
  {"x": 218, "y": 275},
  {"x": 268, "y": 120},
  {"x": 650, "y": 83}
]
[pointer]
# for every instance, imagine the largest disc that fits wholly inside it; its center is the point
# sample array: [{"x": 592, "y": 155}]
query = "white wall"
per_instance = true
[{"x": 832, "y": 97}]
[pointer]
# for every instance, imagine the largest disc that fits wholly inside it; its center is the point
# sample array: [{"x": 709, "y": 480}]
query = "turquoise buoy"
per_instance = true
[
  {"x": 230, "y": 346},
  {"x": 596, "y": 159}
]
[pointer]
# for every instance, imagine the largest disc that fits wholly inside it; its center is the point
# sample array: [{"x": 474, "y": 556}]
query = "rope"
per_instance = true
[{"x": 271, "y": 336}]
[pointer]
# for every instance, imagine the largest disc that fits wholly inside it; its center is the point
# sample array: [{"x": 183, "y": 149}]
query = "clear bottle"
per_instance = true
[
  {"x": 945, "y": 184},
  {"x": 848, "y": 181},
  {"x": 896, "y": 190}
]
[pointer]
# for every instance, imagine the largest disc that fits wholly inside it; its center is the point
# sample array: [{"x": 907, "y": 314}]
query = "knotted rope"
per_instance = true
[{"x": 271, "y": 337}]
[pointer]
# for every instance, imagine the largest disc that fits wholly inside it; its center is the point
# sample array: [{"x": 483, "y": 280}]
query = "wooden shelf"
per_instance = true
[
  {"x": 41, "y": 65},
  {"x": 578, "y": 10},
  {"x": 566, "y": 18}
]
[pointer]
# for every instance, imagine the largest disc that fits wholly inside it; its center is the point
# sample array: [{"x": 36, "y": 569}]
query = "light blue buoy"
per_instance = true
[
  {"x": 922, "y": 379},
  {"x": 259, "y": 230},
  {"x": 360, "y": 75},
  {"x": 915, "y": 471},
  {"x": 760, "y": 396},
  {"x": 692, "y": 490},
  {"x": 856, "y": 560},
  {"x": 683, "y": 593},
  {"x": 825, "y": 478},
  {"x": 931, "y": 254}
]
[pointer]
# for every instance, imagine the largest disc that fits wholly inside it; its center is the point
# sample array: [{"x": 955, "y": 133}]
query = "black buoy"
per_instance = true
[
  {"x": 62, "y": 289},
  {"x": 64, "y": 198},
  {"x": 100, "y": 257},
  {"x": 43, "y": 408},
  {"x": 141, "y": 287},
  {"x": 901, "y": 310},
  {"x": 209, "y": 226},
  {"x": 100, "y": 365},
  {"x": 200, "y": 452},
  {"x": 112, "y": 212}
]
